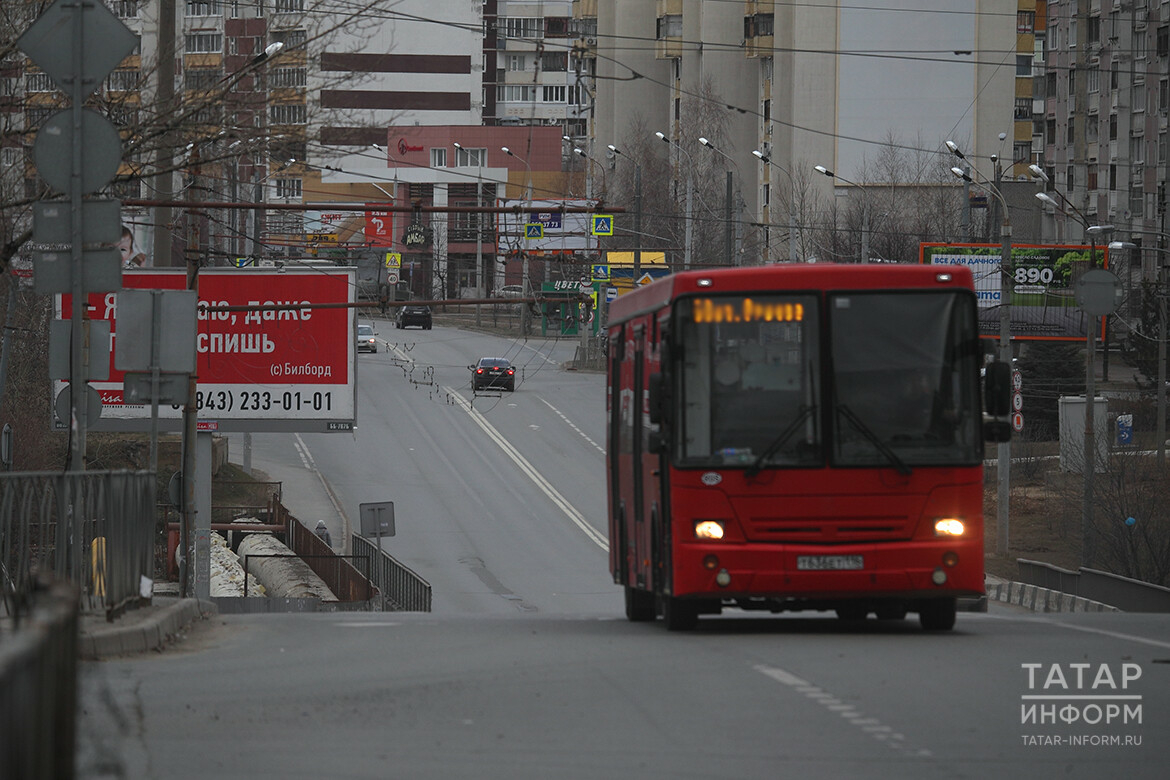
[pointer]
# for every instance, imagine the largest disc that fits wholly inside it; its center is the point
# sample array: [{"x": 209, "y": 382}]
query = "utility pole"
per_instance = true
[{"x": 164, "y": 157}]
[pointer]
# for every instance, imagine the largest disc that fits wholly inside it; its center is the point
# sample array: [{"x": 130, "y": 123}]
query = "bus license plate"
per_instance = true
[{"x": 829, "y": 562}]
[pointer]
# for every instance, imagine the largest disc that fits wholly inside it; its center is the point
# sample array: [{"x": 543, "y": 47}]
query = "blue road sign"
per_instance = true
[
  {"x": 601, "y": 273},
  {"x": 533, "y": 230},
  {"x": 603, "y": 224}
]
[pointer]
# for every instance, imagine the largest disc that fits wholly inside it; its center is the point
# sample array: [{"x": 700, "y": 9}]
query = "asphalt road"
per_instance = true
[{"x": 527, "y": 667}]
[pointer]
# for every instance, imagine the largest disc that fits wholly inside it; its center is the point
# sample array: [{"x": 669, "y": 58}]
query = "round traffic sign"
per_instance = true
[
  {"x": 1017, "y": 402},
  {"x": 1017, "y": 422},
  {"x": 391, "y": 278},
  {"x": 53, "y": 151},
  {"x": 1017, "y": 379}
]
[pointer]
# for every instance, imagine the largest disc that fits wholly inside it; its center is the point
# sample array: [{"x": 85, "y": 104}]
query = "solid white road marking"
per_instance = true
[{"x": 537, "y": 478}]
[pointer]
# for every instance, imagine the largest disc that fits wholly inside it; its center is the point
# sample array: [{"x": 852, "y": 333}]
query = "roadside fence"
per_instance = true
[{"x": 401, "y": 589}]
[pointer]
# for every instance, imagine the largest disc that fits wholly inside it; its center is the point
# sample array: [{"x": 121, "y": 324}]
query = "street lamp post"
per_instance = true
[
  {"x": 1003, "y": 448},
  {"x": 864, "y": 208},
  {"x": 689, "y": 231},
  {"x": 1090, "y": 443},
  {"x": 729, "y": 246},
  {"x": 525, "y": 320},
  {"x": 637, "y": 214},
  {"x": 792, "y": 254}
]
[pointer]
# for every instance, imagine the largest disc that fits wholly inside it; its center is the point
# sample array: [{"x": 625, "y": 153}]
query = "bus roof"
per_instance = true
[{"x": 785, "y": 276}]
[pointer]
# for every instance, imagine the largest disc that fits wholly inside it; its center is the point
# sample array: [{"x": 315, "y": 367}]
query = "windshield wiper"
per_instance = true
[
  {"x": 899, "y": 465},
  {"x": 780, "y": 441}
]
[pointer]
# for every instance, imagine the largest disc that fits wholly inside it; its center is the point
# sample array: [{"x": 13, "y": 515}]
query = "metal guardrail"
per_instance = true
[
  {"x": 38, "y": 688},
  {"x": 339, "y": 573},
  {"x": 93, "y": 528},
  {"x": 1126, "y": 594},
  {"x": 402, "y": 590}
]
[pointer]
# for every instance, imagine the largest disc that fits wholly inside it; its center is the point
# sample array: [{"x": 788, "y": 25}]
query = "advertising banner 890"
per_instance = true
[
  {"x": 1043, "y": 286},
  {"x": 278, "y": 370}
]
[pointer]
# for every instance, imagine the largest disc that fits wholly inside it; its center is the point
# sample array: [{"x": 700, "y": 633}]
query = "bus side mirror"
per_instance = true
[
  {"x": 997, "y": 401},
  {"x": 997, "y": 389}
]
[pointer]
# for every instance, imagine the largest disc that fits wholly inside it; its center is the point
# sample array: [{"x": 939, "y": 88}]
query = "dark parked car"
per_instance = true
[
  {"x": 365, "y": 339},
  {"x": 414, "y": 315},
  {"x": 493, "y": 372}
]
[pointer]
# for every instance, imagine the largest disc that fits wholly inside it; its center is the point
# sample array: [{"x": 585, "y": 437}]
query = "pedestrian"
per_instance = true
[
  {"x": 383, "y": 297},
  {"x": 323, "y": 532}
]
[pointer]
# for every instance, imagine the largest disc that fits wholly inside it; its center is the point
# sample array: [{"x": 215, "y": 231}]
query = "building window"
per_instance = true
[
  {"x": 123, "y": 81},
  {"x": 204, "y": 43},
  {"x": 1163, "y": 41},
  {"x": 1023, "y": 64},
  {"x": 1022, "y": 152},
  {"x": 553, "y": 94},
  {"x": 288, "y": 114},
  {"x": 1138, "y": 97},
  {"x": 470, "y": 158},
  {"x": 1091, "y": 177},
  {"x": 1113, "y": 127},
  {"x": 10, "y": 156},
  {"x": 554, "y": 61},
  {"x": 557, "y": 27},
  {"x": 520, "y": 26},
  {"x": 1093, "y": 79},
  {"x": 203, "y": 8},
  {"x": 1025, "y": 22},
  {"x": 125, "y": 9},
  {"x": 1023, "y": 110},
  {"x": 195, "y": 79},
  {"x": 38, "y": 82},
  {"x": 516, "y": 93},
  {"x": 1137, "y": 150},
  {"x": 288, "y": 188},
  {"x": 290, "y": 38},
  {"x": 669, "y": 26},
  {"x": 438, "y": 157},
  {"x": 516, "y": 62},
  {"x": 288, "y": 77},
  {"x": 289, "y": 6},
  {"x": 1163, "y": 96},
  {"x": 758, "y": 24}
]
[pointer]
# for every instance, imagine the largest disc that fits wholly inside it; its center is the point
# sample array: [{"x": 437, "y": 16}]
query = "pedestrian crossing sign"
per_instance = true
[
  {"x": 533, "y": 230},
  {"x": 603, "y": 224}
]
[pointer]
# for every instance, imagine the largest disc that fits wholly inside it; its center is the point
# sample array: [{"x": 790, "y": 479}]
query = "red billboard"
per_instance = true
[{"x": 286, "y": 369}]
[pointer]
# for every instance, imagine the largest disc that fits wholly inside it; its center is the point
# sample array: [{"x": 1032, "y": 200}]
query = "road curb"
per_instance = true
[
  {"x": 152, "y": 632},
  {"x": 1039, "y": 599}
]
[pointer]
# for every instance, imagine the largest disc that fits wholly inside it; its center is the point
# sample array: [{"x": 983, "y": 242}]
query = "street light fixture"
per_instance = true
[
  {"x": 689, "y": 232},
  {"x": 729, "y": 247},
  {"x": 527, "y": 282},
  {"x": 637, "y": 212},
  {"x": 864, "y": 208},
  {"x": 792, "y": 255}
]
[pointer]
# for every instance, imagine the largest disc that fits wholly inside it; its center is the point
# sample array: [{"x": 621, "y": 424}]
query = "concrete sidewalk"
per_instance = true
[{"x": 138, "y": 630}]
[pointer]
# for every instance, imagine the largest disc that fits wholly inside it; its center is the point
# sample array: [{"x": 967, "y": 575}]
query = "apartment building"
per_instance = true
[{"x": 829, "y": 84}]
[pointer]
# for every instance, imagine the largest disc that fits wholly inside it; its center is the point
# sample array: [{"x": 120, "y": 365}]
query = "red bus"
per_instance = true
[{"x": 795, "y": 437}]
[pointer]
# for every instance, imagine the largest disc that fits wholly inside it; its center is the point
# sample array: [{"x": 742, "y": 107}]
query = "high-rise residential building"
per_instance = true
[{"x": 847, "y": 87}]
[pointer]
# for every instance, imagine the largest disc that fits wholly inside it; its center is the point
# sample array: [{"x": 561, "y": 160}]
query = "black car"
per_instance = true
[
  {"x": 493, "y": 372},
  {"x": 414, "y": 315}
]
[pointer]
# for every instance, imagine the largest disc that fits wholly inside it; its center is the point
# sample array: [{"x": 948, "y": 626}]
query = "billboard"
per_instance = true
[
  {"x": 287, "y": 370},
  {"x": 1043, "y": 285}
]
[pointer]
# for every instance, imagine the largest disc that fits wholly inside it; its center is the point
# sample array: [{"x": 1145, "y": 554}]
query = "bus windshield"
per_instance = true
[
  {"x": 905, "y": 379},
  {"x": 748, "y": 382}
]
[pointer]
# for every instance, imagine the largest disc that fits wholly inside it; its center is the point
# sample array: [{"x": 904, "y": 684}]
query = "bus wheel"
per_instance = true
[
  {"x": 937, "y": 614},
  {"x": 679, "y": 615},
  {"x": 639, "y": 605}
]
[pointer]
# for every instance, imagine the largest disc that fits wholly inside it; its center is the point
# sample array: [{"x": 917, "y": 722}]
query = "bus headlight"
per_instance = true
[
  {"x": 948, "y": 526},
  {"x": 708, "y": 529}
]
